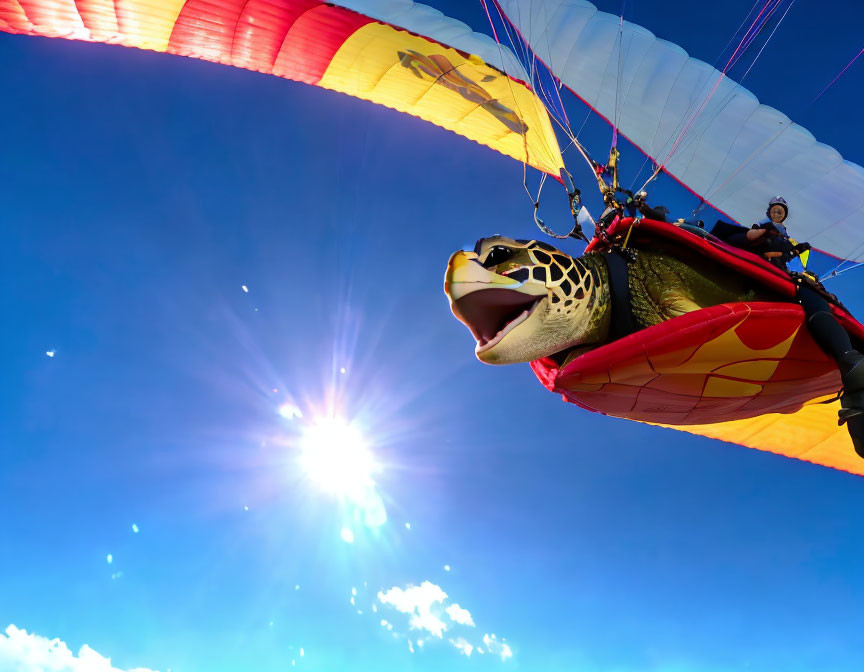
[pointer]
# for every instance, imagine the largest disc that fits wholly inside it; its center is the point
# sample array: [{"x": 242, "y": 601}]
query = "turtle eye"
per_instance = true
[{"x": 498, "y": 255}]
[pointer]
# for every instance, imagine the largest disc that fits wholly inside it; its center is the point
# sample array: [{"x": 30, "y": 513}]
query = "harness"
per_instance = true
[{"x": 622, "y": 323}]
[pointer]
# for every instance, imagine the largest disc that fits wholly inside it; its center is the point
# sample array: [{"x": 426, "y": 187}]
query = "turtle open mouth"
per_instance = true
[{"x": 491, "y": 314}]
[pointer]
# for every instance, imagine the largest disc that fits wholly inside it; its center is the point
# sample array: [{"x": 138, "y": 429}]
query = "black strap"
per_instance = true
[{"x": 622, "y": 323}]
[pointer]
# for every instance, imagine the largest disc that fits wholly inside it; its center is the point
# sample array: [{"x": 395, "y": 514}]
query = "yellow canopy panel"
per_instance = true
[{"x": 811, "y": 434}]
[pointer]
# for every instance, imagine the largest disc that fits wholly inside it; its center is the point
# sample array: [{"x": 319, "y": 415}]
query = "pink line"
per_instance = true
[
  {"x": 742, "y": 47},
  {"x": 491, "y": 24},
  {"x": 623, "y": 135},
  {"x": 848, "y": 65},
  {"x": 675, "y": 178},
  {"x": 745, "y": 38}
]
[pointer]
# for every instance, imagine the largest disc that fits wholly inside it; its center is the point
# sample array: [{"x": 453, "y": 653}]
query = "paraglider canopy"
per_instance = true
[
  {"x": 697, "y": 124},
  {"x": 396, "y": 53}
]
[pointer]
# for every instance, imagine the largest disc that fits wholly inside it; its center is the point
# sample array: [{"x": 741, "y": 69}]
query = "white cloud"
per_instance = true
[
  {"x": 21, "y": 651},
  {"x": 419, "y": 602},
  {"x": 464, "y": 646},
  {"x": 426, "y": 605},
  {"x": 497, "y": 647},
  {"x": 459, "y": 615}
]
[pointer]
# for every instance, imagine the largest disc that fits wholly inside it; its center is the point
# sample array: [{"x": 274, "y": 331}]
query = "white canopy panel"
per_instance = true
[{"x": 736, "y": 153}]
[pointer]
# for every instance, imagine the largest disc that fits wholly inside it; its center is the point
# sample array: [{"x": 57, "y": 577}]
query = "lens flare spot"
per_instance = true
[
  {"x": 289, "y": 411},
  {"x": 347, "y": 536}
]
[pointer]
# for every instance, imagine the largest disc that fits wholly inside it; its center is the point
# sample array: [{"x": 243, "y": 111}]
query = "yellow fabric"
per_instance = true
[
  {"x": 729, "y": 389},
  {"x": 811, "y": 434},
  {"x": 759, "y": 369},
  {"x": 148, "y": 25},
  {"x": 364, "y": 67},
  {"x": 378, "y": 63},
  {"x": 804, "y": 257}
]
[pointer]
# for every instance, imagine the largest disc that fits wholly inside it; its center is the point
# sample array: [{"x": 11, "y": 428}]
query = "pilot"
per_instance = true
[{"x": 770, "y": 239}]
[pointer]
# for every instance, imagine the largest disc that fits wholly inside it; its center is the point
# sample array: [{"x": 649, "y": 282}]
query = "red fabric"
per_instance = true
[
  {"x": 205, "y": 29},
  {"x": 295, "y": 39},
  {"x": 644, "y": 376},
  {"x": 13, "y": 19},
  {"x": 261, "y": 30},
  {"x": 58, "y": 20},
  {"x": 314, "y": 40}
]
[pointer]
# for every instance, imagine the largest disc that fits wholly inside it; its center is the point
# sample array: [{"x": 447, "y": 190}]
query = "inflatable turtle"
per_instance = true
[{"x": 672, "y": 328}]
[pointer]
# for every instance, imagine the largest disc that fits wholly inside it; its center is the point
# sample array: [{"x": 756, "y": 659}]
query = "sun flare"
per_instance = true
[{"x": 335, "y": 455}]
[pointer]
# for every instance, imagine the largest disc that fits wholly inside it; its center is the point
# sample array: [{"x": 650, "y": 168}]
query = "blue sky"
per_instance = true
[{"x": 143, "y": 191}]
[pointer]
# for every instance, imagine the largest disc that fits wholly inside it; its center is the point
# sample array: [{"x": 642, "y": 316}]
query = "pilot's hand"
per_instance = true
[{"x": 755, "y": 234}]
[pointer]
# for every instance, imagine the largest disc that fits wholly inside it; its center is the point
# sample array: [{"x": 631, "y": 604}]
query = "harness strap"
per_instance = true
[{"x": 622, "y": 323}]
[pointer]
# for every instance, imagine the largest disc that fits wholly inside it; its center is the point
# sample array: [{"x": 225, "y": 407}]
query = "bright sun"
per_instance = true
[{"x": 334, "y": 455}]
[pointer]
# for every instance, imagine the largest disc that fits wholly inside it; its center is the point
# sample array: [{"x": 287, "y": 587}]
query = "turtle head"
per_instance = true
[{"x": 523, "y": 299}]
